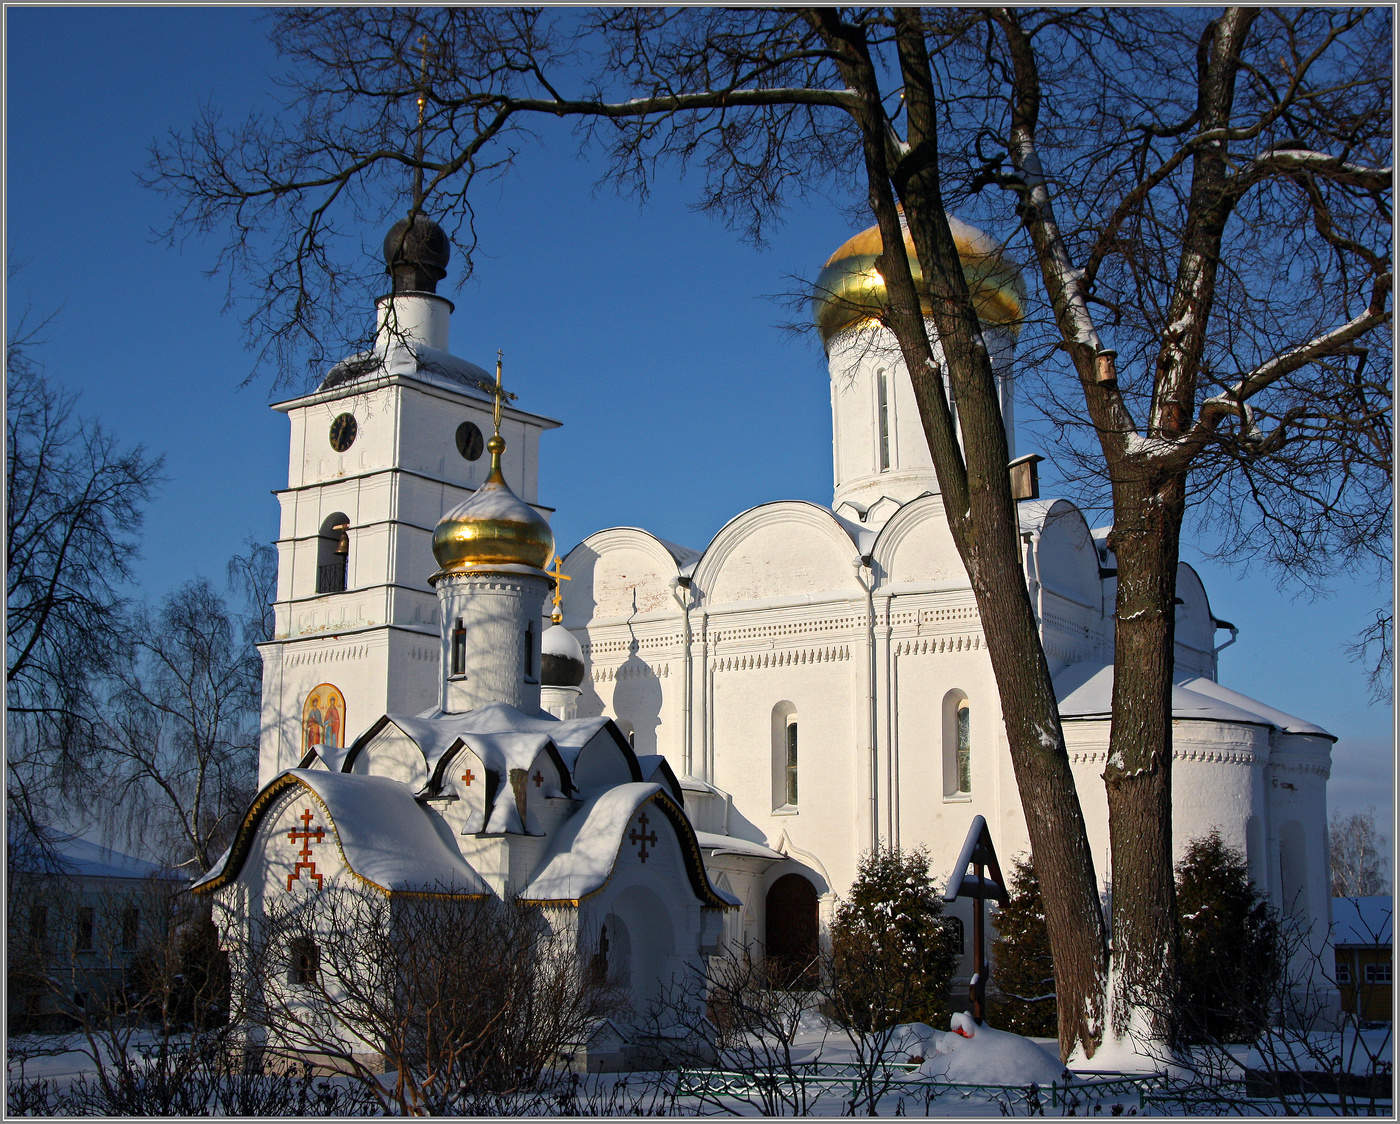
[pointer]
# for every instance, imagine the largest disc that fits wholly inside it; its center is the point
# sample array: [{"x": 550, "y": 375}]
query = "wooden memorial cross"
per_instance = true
[
  {"x": 982, "y": 883},
  {"x": 644, "y": 838},
  {"x": 308, "y": 837}
]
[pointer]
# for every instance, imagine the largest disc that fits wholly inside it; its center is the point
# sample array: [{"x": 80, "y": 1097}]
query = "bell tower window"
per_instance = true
[
  {"x": 333, "y": 554},
  {"x": 531, "y": 674}
]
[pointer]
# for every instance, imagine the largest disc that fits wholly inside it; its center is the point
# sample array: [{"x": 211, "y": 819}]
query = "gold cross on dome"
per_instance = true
[
  {"x": 557, "y": 572},
  {"x": 498, "y": 395}
]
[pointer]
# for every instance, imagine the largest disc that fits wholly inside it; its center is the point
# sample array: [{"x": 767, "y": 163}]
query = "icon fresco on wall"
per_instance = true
[{"x": 323, "y": 718}]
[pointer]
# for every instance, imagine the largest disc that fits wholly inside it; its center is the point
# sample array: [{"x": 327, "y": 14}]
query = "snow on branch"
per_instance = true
[{"x": 1233, "y": 401}]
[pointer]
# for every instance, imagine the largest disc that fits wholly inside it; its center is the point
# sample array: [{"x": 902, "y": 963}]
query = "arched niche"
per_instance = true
[
  {"x": 619, "y": 574},
  {"x": 916, "y": 547},
  {"x": 1195, "y": 624},
  {"x": 784, "y": 551},
  {"x": 1067, "y": 562}
]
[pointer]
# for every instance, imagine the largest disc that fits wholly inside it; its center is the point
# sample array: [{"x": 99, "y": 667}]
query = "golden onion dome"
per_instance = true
[
  {"x": 850, "y": 289},
  {"x": 492, "y": 526}
]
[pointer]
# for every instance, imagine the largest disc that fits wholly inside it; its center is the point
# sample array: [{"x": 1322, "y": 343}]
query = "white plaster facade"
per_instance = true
[
  {"x": 858, "y": 623},
  {"x": 854, "y": 623}
]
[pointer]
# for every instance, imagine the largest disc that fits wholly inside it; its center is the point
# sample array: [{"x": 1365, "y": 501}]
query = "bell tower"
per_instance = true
[{"x": 389, "y": 440}]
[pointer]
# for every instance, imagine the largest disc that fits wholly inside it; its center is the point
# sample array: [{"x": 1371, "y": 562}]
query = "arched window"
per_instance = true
[
  {"x": 459, "y": 648},
  {"x": 530, "y": 673},
  {"x": 957, "y": 745},
  {"x": 784, "y": 735},
  {"x": 333, "y": 554},
  {"x": 955, "y": 926},
  {"x": 882, "y": 383}
]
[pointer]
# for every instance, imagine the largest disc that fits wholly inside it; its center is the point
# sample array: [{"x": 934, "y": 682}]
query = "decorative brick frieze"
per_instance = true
[{"x": 782, "y": 658}]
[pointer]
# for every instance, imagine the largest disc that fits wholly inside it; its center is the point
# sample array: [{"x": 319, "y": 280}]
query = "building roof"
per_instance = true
[
  {"x": 384, "y": 835},
  {"x": 84, "y": 858},
  {"x": 1362, "y": 922},
  {"x": 1085, "y": 691}
]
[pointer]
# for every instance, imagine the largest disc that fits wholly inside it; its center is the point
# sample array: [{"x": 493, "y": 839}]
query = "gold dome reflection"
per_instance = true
[{"x": 851, "y": 290}]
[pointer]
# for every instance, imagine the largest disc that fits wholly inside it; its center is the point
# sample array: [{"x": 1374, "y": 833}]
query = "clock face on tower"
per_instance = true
[{"x": 343, "y": 431}]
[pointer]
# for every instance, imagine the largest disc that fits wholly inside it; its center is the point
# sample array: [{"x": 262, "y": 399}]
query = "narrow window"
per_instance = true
[
  {"x": 131, "y": 923},
  {"x": 39, "y": 923},
  {"x": 530, "y": 651},
  {"x": 333, "y": 554},
  {"x": 883, "y": 387},
  {"x": 1344, "y": 973},
  {"x": 305, "y": 962},
  {"x": 86, "y": 919},
  {"x": 964, "y": 747},
  {"x": 459, "y": 648},
  {"x": 957, "y": 746},
  {"x": 955, "y": 925},
  {"x": 790, "y": 767}
]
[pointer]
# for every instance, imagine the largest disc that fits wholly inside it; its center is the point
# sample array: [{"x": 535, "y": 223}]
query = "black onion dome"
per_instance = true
[
  {"x": 415, "y": 254},
  {"x": 561, "y": 662}
]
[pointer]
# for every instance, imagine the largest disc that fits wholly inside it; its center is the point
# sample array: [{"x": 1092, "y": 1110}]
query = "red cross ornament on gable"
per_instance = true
[
  {"x": 308, "y": 837},
  {"x": 538, "y": 778},
  {"x": 644, "y": 838},
  {"x": 468, "y": 777}
]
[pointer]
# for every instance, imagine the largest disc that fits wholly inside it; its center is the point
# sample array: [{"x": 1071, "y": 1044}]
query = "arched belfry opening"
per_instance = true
[
  {"x": 333, "y": 554},
  {"x": 790, "y": 931}
]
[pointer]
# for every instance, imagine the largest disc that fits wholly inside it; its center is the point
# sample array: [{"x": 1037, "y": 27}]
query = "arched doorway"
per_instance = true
[{"x": 790, "y": 931}]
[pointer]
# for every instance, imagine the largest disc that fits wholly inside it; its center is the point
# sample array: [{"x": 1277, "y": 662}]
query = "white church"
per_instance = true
[{"x": 702, "y": 744}]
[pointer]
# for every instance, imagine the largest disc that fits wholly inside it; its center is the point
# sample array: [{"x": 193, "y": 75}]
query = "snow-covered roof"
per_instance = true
[
  {"x": 1362, "y": 921},
  {"x": 79, "y": 857},
  {"x": 733, "y": 845},
  {"x": 384, "y": 835},
  {"x": 515, "y": 736},
  {"x": 656, "y": 768},
  {"x": 414, "y": 360},
  {"x": 581, "y": 855},
  {"x": 1085, "y": 690},
  {"x": 583, "y": 850}
]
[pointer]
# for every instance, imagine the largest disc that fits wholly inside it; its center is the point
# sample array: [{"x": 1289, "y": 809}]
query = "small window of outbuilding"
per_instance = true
[
  {"x": 305, "y": 962},
  {"x": 87, "y": 921}
]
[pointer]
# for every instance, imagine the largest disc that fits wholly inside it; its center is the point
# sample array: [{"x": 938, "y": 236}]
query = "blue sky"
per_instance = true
[{"x": 657, "y": 336}]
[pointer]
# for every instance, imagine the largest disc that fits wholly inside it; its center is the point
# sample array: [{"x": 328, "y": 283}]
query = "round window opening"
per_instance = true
[
  {"x": 470, "y": 443},
  {"x": 343, "y": 431}
]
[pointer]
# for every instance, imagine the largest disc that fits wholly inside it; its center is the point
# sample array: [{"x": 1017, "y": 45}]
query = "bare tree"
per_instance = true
[
  {"x": 765, "y": 100},
  {"x": 74, "y": 499},
  {"x": 181, "y": 723},
  {"x": 466, "y": 1003},
  {"x": 1211, "y": 246},
  {"x": 1357, "y": 855}
]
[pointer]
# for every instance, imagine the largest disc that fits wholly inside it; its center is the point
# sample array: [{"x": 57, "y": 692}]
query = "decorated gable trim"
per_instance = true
[{"x": 252, "y": 821}]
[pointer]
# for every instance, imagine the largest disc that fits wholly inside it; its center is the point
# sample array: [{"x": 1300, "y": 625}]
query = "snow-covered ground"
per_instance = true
[{"x": 967, "y": 1071}]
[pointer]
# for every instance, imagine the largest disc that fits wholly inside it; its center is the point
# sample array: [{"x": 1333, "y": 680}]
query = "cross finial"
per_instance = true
[
  {"x": 557, "y": 572},
  {"x": 422, "y": 106},
  {"x": 496, "y": 446}
]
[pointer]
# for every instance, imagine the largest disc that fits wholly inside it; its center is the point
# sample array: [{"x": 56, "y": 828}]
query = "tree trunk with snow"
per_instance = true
[
  {"x": 1138, "y": 774},
  {"x": 981, "y": 514}
]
